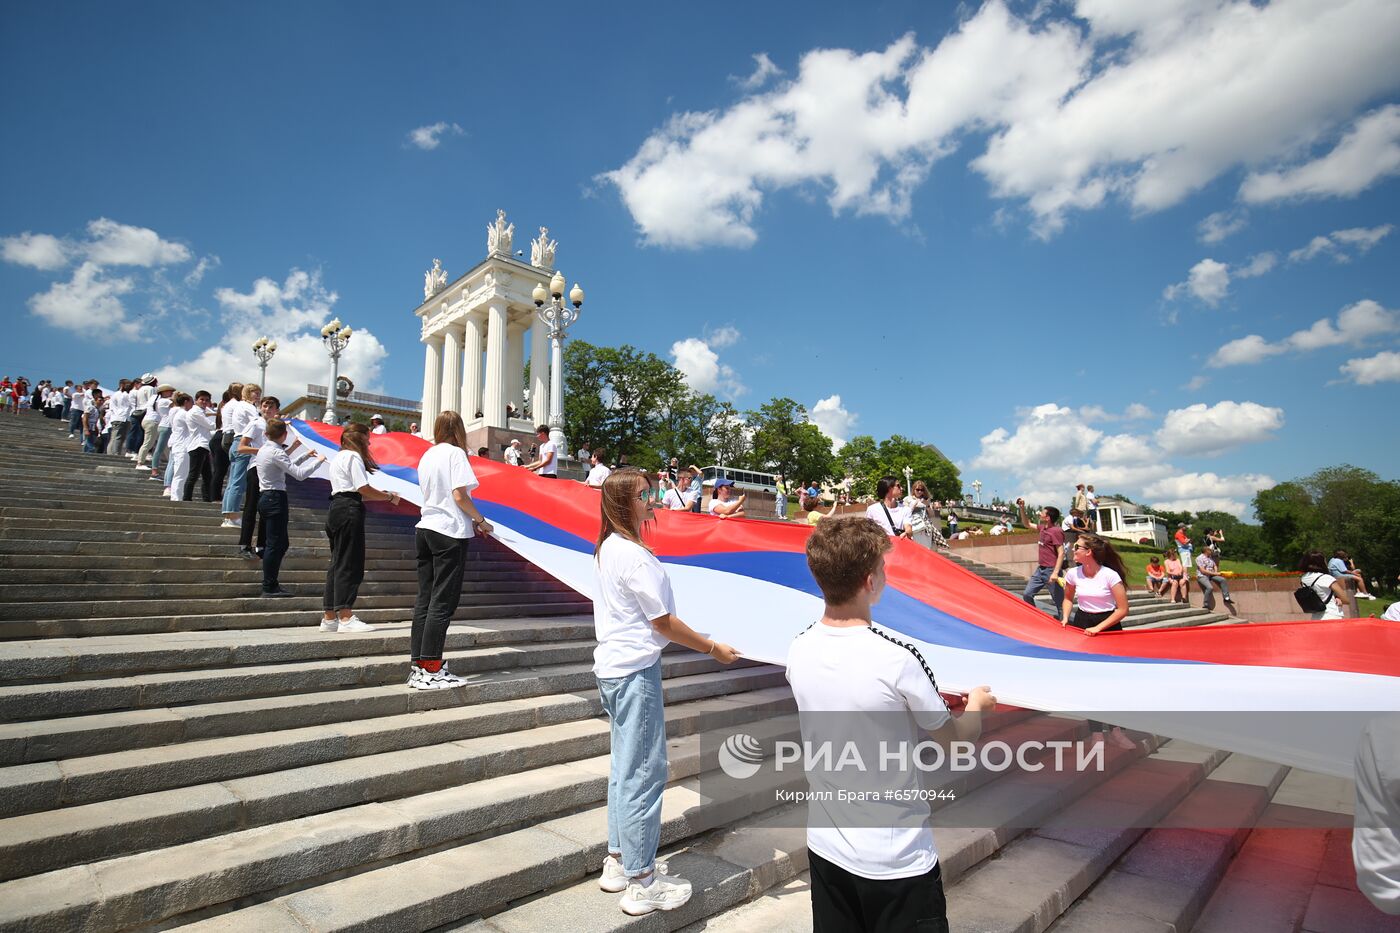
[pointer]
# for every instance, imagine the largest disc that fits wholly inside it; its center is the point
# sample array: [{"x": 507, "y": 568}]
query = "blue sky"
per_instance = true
[{"x": 1151, "y": 249}]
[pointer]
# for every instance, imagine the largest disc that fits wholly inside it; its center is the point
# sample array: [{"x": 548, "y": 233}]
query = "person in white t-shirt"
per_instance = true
[
  {"x": 723, "y": 503},
  {"x": 448, "y": 519},
  {"x": 1096, "y": 600},
  {"x": 678, "y": 496},
  {"x": 634, "y": 617},
  {"x": 119, "y": 408},
  {"x": 513, "y": 454},
  {"x": 1375, "y": 838},
  {"x": 238, "y": 415},
  {"x": 200, "y": 419},
  {"x": 852, "y": 680},
  {"x": 177, "y": 467},
  {"x": 345, "y": 528},
  {"x": 598, "y": 470},
  {"x": 887, "y": 511},
  {"x": 1329, "y": 589},
  {"x": 164, "y": 408},
  {"x": 547, "y": 465},
  {"x": 376, "y": 425},
  {"x": 254, "y": 437}
]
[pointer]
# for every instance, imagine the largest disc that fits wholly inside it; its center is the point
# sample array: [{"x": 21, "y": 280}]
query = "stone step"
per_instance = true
[
  {"x": 49, "y": 785},
  {"x": 407, "y": 755},
  {"x": 398, "y": 544},
  {"x": 37, "y": 505},
  {"x": 422, "y": 860},
  {"x": 204, "y": 520},
  {"x": 280, "y": 617},
  {"x": 1168, "y": 875},
  {"x": 485, "y": 886},
  {"x": 191, "y": 591},
  {"x": 732, "y": 865},
  {"x": 239, "y": 570},
  {"x": 63, "y": 658},
  {"x": 555, "y": 665},
  {"x": 198, "y": 546},
  {"x": 786, "y": 906},
  {"x": 123, "y": 730},
  {"x": 228, "y": 559},
  {"x": 308, "y": 599}
]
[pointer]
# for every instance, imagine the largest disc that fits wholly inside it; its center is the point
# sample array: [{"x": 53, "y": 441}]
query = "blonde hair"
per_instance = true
[
  {"x": 249, "y": 390},
  {"x": 616, "y": 513}
]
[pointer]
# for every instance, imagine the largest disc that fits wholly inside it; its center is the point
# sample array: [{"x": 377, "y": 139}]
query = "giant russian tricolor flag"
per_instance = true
[{"x": 1298, "y": 693}]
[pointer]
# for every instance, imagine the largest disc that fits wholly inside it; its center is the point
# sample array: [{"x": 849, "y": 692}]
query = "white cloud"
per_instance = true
[
  {"x": 36, "y": 250},
  {"x": 1369, "y": 152},
  {"x": 430, "y": 137},
  {"x": 1216, "y": 227},
  {"x": 722, "y": 337},
  {"x": 1144, "y": 105},
  {"x": 291, "y": 312},
  {"x": 116, "y": 244},
  {"x": 1202, "y": 485},
  {"x": 1202, "y": 430},
  {"x": 1340, "y": 244},
  {"x": 1045, "y": 469},
  {"x": 1195, "y": 383},
  {"x": 1257, "y": 265},
  {"x": 1208, "y": 281},
  {"x": 1239, "y": 509},
  {"x": 89, "y": 302},
  {"x": 1356, "y": 325},
  {"x": 703, "y": 371},
  {"x": 763, "y": 70},
  {"x": 1127, "y": 448},
  {"x": 1244, "y": 351},
  {"x": 1135, "y": 411},
  {"x": 1383, "y": 367},
  {"x": 832, "y": 418},
  {"x": 1048, "y": 435}
]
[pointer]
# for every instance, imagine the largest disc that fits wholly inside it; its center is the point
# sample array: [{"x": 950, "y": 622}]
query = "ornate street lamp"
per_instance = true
[
  {"x": 263, "y": 350},
  {"x": 335, "y": 336},
  {"x": 977, "y": 490},
  {"x": 557, "y": 317}
]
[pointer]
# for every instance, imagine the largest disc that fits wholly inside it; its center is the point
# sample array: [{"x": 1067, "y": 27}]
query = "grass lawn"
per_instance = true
[{"x": 1135, "y": 559}]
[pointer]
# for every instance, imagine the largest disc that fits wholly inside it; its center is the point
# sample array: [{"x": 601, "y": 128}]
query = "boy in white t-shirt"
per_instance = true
[
  {"x": 548, "y": 463},
  {"x": 848, "y": 675}
]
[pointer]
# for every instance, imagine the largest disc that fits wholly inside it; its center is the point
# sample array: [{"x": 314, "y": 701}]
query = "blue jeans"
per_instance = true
[
  {"x": 75, "y": 421},
  {"x": 781, "y": 506},
  {"x": 136, "y": 435},
  {"x": 162, "y": 439},
  {"x": 637, "y": 774},
  {"x": 237, "y": 477},
  {"x": 1038, "y": 581}
]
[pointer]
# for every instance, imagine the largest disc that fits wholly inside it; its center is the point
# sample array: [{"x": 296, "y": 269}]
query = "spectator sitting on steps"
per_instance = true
[
  {"x": 1208, "y": 576},
  {"x": 724, "y": 504}
]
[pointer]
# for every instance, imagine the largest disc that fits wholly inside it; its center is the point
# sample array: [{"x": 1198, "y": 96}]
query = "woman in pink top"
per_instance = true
[{"x": 1175, "y": 588}]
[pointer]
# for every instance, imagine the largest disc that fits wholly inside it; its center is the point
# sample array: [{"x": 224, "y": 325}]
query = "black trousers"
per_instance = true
[
  {"x": 272, "y": 508},
  {"x": 218, "y": 453},
  {"x": 250, "y": 513},
  {"x": 846, "y": 903},
  {"x": 441, "y": 561},
  {"x": 199, "y": 470},
  {"x": 345, "y": 527}
]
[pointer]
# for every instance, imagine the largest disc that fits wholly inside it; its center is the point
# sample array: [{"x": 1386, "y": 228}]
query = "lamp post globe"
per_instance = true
[
  {"x": 263, "y": 349},
  {"x": 335, "y": 336},
  {"x": 557, "y": 316}
]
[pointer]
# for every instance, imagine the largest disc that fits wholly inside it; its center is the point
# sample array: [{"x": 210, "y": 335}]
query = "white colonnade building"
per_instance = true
[{"x": 474, "y": 331}]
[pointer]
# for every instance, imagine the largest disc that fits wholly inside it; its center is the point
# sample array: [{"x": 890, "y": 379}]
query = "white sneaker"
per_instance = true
[
  {"x": 165, "y": 492},
  {"x": 1366, "y": 595},
  {"x": 662, "y": 894},
  {"x": 614, "y": 878},
  {"x": 355, "y": 624},
  {"x": 331, "y": 625},
  {"x": 142, "y": 466},
  {"x": 227, "y": 524},
  {"x": 442, "y": 679}
]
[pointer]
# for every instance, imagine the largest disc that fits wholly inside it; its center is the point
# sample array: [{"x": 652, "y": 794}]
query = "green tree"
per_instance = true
[
  {"x": 1289, "y": 520},
  {"x": 860, "y": 458},
  {"x": 784, "y": 441},
  {"x": 937, "y": 472},
  {"x": 618, "y": 396},
  {"x": 729, "y": 436}
]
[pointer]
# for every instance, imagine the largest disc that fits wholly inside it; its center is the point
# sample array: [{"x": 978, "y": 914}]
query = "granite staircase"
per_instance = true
[{"x": 175, "y": 752}]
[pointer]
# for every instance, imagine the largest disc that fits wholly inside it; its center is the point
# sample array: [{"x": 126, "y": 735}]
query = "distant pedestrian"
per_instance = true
[
  {"x": 1209, "y": 577},
  {"x": 513, "y": 456},
  {"x": 598, "y": 471},
  {"x": 1049, "y": 555},
  {"x": 1183, "y": 544},
  {"x": 547, "y": 464},
  {"x": 1331, "y": 596},
  {"x": 889, "y": 512},
  {"x": 376, "y": 425},
  {"x": 780, "y": 493}
]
